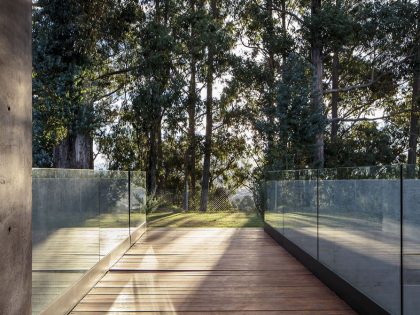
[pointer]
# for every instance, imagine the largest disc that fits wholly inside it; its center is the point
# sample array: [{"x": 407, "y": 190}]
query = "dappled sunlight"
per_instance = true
[
  {"x": 205, "y": 220},
  {"x": 204, "y": 270},
  {"x": 110, "y": 238},
  {"x": 60, "y": 260},
  {"x": 67, "y": 249}
]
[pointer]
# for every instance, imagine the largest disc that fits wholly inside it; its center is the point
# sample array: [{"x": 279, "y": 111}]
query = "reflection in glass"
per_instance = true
[
  {"x": 359, "y": 230},
  {"x": 411, "y": 240},
  {"x": 113, "y": 207},
  {"x": 79, "y": 216},
  {"x": 65, "y": 231},
  {"x": 137, "y": 200},
  {"x": 292, "y": 207},
  {"x": 349, "y": 219}
]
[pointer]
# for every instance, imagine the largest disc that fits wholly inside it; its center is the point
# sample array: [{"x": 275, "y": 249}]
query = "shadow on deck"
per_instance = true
[{"x": 203, "y": 270}]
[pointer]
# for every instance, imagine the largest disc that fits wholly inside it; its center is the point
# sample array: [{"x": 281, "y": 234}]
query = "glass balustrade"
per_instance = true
[
  {"x": 79, "y": 217},
  {"x": 363, "y": 223}
]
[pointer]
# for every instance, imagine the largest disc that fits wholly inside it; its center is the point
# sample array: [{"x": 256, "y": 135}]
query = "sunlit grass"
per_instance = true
[
  {"x": 196, "y": 219},
  {"x": 113, "y": 220}
]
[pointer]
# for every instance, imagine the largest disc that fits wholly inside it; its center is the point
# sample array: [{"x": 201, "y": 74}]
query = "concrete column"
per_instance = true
[{"x": 15, "y": 157}]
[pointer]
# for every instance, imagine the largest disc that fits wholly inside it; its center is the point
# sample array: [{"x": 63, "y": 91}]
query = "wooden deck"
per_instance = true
[
  {"x": 56, "y": 268},
  {"x": 209, "y": 271}
]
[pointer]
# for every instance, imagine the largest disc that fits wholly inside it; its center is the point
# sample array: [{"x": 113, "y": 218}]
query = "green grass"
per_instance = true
[
  {"x": 113, "y": 220},
  {"x": 196, "y": 219}
]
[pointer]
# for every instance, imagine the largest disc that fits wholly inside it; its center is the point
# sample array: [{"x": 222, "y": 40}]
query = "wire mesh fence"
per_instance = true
[{"x": 220, "y": 199}]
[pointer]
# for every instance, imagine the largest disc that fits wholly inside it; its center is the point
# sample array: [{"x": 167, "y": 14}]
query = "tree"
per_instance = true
[
  {"x": 218, "y": 45},
  {"x": 157, "y": 85},
  {"x": 415, "y": 107},
  {"x": 71, "y": 48},
  {"x": 317, "y": 89},
  {"x": 367, "y": 145},
  {"x": 227, "y": 88}
]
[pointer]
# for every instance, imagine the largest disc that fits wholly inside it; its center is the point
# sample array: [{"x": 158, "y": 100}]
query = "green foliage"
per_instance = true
[
  {"x": 366, "y": 144},
  {"x": 72, "y": 44},
  {"x": 121, "y": 72}
]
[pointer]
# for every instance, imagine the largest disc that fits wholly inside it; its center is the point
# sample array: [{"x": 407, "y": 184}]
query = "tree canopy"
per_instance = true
[{"x": 214, "y": 93}]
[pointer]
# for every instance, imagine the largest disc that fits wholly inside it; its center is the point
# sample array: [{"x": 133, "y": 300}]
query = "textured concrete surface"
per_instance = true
[{"x": 15, "y": 157}]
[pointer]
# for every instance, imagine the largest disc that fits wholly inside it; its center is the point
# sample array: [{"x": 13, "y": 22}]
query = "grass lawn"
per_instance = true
[
  {"x": 114, "y": 220},
  {"x": 196, "y": 219}
]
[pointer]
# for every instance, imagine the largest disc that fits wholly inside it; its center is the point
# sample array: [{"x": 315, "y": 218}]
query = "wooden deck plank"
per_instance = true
[{"x": 209, "y": 271}]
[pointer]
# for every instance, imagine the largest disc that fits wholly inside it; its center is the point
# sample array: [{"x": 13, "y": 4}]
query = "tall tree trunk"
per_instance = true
[
  {"x": 74, "y": 152},
  {"x": 284, "y": 26},
  {"x": 271, "y": 80},
  {"x": 160, "y": 179},
  {"x": 205, "y": 180},
  {"x": 270, "y": 31},
  {"x": 414, "y": 121},
  {"x": 192, "y": 126},
  {"x": 415, "y": 105},
  {"x": 152, "y": 159},
  {"x": 158, "y": 10},
  {"x": 154, "y": 163},
  {"x": 317, "y": 91},
  {"x": 190, "y": 175},
  {"x": 335, "y": 97},
  {"x": 185, "y": 203}
]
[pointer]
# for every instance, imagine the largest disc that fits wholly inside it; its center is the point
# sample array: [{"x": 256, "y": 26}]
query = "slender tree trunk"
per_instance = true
[
  {"x": 270, "y": 31},
  {"x": 205, "y": 180},
  {"x": 159, "y": 178},
  {"x": 415, "y": 105},
  {"x": 155, "y": 141},
  {"x": 208, "y": 138},
  {"x": 271, "y": 81},
  {"x": 190, "y": 175},
  {"x": 152, "y": 162},
  {"x": 317, "y": 91},
  {"x": 192, "y": 126},
  {"x": 185, "y": 203},
  {"x": 335, "y": 97},
  {"x": 74, "y": 152},
  {"x": 414, "y": 122},
  {"x": 157, "y": 11},
  {"x": 284, "y": 26}
]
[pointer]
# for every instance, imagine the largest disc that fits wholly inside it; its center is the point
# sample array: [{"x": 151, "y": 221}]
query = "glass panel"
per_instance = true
[
  {"x": 293, "y": 200},
  {"x": 65, "y": 231},
  {"x": 300, "y": 210},
  {"x": 137, "y": 200},
  {"x": 411, "y": 243},
  {"x": 273, "y": 213},
  {"x": 114, "y": 212},
  {"x": 359, "y": 230}
]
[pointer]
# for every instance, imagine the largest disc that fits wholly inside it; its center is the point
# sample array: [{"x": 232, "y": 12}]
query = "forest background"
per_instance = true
[{"x": 211, "y": 95}]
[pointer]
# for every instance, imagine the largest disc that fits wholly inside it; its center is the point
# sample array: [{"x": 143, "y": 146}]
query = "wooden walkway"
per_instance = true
[{"x": 209, "y": 271}]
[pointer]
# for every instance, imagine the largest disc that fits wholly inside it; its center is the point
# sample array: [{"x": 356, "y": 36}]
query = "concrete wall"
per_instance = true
[{"x": 15, "y": 157}]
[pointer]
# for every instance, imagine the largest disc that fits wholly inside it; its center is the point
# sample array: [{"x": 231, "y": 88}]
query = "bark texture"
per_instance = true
[
  {"x": 335, "y": 97},
  {"x": 190, "y": 158},
  {"x": 415, "y": 104},
  {"x": 75, "y": 152},
  {"x": 317, "y": 90},
  {"x": 205, "y": 179}
]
